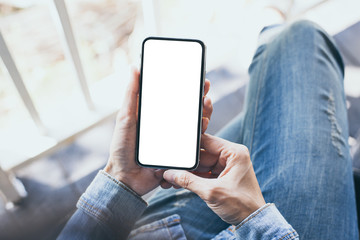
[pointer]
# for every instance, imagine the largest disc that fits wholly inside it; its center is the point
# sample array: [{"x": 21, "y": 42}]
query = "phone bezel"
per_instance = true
[{"x": 202, "y": 81}]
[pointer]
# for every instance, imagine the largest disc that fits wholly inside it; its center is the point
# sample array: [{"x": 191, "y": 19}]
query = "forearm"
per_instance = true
[{"x": 107, "y": 210}]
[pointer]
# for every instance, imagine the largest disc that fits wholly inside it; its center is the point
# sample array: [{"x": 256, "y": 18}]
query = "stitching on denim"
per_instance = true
[
  {"x": 159, "y": 224},
  {"x": 241, "y": 224},
  {"x": 290, "y": 233},
  {"x": 167, "y": 228},
  {"x": 231, "y": 228},
  {"x": 101, "y": 217},
  {"x": 123, "y": 186},
  {"x": 93, "y": 210},
  {"x": 257, "y": 102}
]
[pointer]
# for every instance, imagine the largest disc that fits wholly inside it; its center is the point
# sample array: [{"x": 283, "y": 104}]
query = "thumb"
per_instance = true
[{"x": 186, "y": 180}]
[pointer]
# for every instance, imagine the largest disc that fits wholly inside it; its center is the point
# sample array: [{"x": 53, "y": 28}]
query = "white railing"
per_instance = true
[{"x": 49, "y": 137}]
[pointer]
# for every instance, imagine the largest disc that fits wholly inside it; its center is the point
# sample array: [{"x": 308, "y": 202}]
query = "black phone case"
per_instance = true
[{"x": 202, "y": 81}]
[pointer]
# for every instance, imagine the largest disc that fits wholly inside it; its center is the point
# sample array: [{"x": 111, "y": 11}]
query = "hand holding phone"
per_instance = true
[{"x": 121, "y": 164}]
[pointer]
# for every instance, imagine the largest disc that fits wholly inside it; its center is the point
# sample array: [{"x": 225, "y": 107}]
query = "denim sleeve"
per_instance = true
[
  {"x": 265, "y": 223},
  {"x": 107, "y": 210}
]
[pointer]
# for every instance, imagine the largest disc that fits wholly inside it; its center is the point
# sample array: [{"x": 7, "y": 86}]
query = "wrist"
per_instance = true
[
  {"x": 124, "y": 186},
  {"x": 250, "y": 206},
  {"x": 124, "y": 178}
]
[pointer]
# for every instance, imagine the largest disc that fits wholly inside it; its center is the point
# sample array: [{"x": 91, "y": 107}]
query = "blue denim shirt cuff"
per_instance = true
[
  {"x": 114, "y": 205},
  {"x": 265, "y": 223}
]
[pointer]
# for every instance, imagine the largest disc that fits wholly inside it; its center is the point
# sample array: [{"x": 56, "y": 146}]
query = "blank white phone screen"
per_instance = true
[{"x": 170, "y": 95}]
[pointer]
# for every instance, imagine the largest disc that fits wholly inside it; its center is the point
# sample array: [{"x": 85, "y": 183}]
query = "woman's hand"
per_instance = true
[
  {"x": 121, "y": 164},
  {"x": 225, "y": 179}
]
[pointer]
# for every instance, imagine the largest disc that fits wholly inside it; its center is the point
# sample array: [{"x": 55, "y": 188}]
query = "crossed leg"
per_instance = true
[{"x": 295, "y": 126}]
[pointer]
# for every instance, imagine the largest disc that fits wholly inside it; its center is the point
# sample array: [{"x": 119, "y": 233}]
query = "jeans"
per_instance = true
[{"x": 295, "y": 125}]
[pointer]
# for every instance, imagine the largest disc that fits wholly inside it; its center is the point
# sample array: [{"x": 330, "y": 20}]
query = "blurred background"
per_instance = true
[{"x": 65, "y": 67}]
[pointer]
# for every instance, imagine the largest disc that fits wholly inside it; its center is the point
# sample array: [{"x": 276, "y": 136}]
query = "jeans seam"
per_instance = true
[
  {"x": 90, "y": 209},
  {"x": 162, "y": 224},
  {"x": 167, "y": 228},
  {"x": 290, "y": 233},
  {"x": 257, "y": 102}
]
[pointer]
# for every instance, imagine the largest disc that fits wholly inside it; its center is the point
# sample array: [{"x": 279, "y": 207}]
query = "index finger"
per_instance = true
[{"x": 213, "y": 145}]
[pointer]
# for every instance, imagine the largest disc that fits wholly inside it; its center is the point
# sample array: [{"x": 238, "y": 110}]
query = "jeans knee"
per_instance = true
[
  {"x": 303, "y": 27},
  {"x": 305, "y": 40},
  {"x": 305, "y": 34},
  {"x": 310, "y": 36}
]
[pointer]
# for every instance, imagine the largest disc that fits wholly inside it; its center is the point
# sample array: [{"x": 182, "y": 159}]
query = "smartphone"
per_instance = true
[{"x": 170, "y": 103}]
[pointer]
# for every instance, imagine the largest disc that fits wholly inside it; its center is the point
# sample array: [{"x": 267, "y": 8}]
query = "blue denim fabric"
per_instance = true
[
  {"x": 265, "y": 223},
  {"x": 107, "y": 210},
  {"x": 294, "y": 123},
  {"x": 295, "y": 126},
  {"x": 164, "y": 229}
]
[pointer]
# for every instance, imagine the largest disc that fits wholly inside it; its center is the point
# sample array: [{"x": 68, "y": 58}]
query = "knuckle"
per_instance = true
[
  {"x": 238, "y": 153},
  {"x": 244, "y": 153},
  {"x": 245, "y": 150},
  {"x": 184, "y": 180},
  {"x": 241, "y": 150}
]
